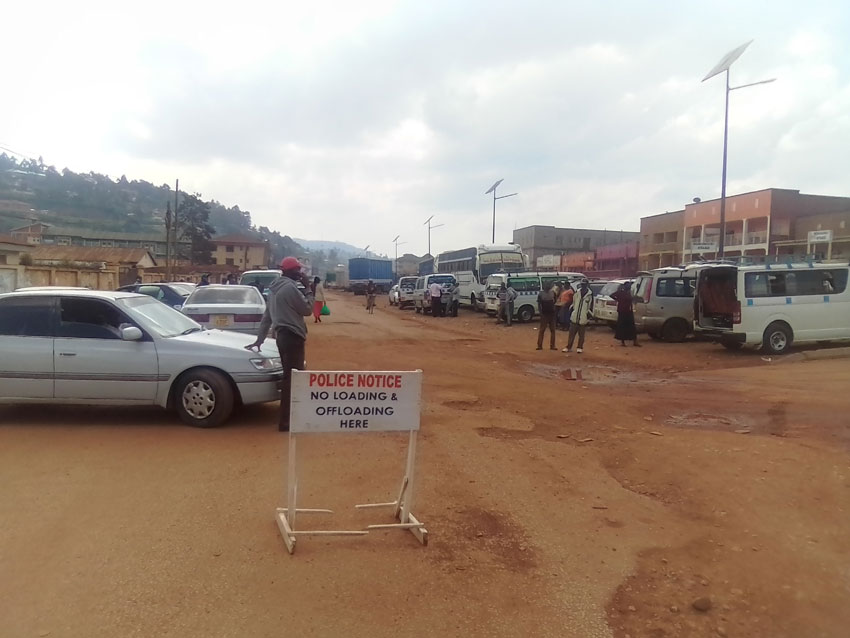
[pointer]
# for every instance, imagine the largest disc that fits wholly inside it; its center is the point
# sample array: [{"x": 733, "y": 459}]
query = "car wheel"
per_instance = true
[
  {"x": 525, "y": 314},
  {"x": 777, "y": 338},
  {"x": 418, "y": 310},
  {"x": 203, "y": 398},
  {"x": 674, "y": 330}
]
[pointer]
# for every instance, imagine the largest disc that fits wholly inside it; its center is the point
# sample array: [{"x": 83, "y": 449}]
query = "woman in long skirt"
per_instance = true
[
  {"x": 318, "y": 299},
  {"x": 625, "y": 329}
]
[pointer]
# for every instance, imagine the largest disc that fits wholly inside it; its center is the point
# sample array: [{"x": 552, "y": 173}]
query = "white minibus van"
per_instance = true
[
  {"x": 527, "y": 286},
  {"x": 773, "y": 305}
]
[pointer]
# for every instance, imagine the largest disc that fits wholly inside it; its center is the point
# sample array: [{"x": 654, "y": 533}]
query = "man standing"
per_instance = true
[
  {"x": 285, "y": 312},
  {"x": 511, "y": 298},
  {"x": 502, "y": 296},
  {"x": 580, "y": 316},
  {"x": 454, "y": 298},
  {"x": 205, "y": 280},
  {"x": 436, "y": 294},
  {"x": 546, "y": 308}
]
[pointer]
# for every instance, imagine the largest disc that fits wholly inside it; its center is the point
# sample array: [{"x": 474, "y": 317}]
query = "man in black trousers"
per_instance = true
[{"x": 285, "y": 312}]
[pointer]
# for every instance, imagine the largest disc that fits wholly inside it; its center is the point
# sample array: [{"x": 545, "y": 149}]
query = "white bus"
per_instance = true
[
  {"x": 472, "y": 266},
  {"x": 773, "y": 305}
]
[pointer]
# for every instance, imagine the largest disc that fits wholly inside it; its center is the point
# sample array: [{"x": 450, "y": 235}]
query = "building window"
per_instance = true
[
  {"x": 63, "y": 241},
  {"x": 658, "y": 238},
  {"x": 228, "y": 249},
  {"x": 107, "y": 243},
  {"x": 229, "y": 261}
]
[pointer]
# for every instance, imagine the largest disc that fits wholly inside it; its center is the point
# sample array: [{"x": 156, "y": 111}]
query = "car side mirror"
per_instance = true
[{"x": 131, "y": 333}]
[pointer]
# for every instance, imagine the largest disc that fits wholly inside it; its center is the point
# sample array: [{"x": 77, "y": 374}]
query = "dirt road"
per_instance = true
[{"x": 599, "y": 507}]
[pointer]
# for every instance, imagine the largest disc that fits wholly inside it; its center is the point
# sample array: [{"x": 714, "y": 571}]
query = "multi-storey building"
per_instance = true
[
  {"x": 537, "y": 241},
  {"x": 241, "y": 252}
]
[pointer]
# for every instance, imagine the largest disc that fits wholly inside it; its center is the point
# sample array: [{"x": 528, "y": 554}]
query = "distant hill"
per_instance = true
[
  {"x": 32, "y": 191},
  {"x": 340, "y": 249}
]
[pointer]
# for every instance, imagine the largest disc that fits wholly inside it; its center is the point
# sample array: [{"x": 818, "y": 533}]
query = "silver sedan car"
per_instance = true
[
  {"x": 114, "y": 348},
  {"x": 238, "y": 308}
]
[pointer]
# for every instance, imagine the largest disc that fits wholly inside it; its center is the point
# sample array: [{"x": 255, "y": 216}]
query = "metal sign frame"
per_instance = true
[{"x": 401, "y": 506}]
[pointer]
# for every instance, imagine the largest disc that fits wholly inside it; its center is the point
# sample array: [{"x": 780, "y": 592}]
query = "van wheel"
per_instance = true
[
  {"x": 203, "y": 398},
  {"x": 777, "y": 338},
  {"x": 525, "y": 314},
  {"x": 674, "y": 330}
]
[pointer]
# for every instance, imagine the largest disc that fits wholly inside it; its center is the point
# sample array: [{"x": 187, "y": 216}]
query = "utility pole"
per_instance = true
[
  {"x": 176, "y": 193},
  {"x": 492, "y": 189},
  {"x": 430, "y": 226},
  {"x": 168, "y": 221}
]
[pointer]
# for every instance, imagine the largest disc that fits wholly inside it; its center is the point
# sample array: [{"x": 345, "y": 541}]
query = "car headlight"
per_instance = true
[{"x": 267, "y": 363}]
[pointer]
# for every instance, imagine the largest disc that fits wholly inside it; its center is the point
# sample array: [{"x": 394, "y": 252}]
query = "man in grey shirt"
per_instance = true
[{"x": 285, "y": 312}]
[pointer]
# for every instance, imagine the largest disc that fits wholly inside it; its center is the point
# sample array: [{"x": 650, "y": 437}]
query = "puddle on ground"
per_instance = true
[
  {"x": 596, "y": 374},
  {"x": 703, "y": 421}
]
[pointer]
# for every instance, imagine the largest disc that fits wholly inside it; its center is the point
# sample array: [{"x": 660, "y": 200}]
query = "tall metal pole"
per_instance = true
[
  {"x": 493, "y": 240},
  {"x": 176, "y": 193},
  {"x": 721, "y": 244}
]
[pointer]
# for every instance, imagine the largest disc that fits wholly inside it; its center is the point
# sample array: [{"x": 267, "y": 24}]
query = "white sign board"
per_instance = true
[
  {"x": 355, "y": 401},
  {"x": 548, "y": 261},
  {"x": 704, "y": 248},
  {"x": 820, "y": 236}
]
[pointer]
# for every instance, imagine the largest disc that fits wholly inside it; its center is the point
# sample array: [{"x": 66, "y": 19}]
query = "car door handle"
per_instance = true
[{"x": 67, "y": 354}]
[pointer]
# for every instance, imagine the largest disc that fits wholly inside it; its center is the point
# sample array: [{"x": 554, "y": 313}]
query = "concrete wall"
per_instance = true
[{"x": 12, "y": 277}]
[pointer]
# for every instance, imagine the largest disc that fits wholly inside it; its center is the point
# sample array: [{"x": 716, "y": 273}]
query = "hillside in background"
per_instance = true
[
  {"x": 335, "y": 250},
  {"x": 31, "y": 191}
]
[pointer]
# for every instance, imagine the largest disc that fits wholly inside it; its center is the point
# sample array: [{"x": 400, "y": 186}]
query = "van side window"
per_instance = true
[
  {"x": 527, "y": 284},
  {"x": 794, "y": 283},
  {"x": 674, "y": 287}
]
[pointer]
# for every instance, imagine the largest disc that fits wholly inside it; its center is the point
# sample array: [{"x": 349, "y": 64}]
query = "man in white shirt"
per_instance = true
[{"x": 436, "y": 293}]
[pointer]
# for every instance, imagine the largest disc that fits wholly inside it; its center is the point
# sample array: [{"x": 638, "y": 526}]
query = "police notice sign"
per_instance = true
[{"x": 355, "y": 401}]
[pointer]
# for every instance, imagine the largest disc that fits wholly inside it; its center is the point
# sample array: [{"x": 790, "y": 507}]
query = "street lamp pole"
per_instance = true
[
  {"x": 395, "y": 266},
  {"x": 430, "y": 226},
  {"x": 492, "y": 189},
  {"x": 720, "y": 67}
]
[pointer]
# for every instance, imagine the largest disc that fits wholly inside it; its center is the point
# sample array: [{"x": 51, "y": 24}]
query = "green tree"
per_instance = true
[{"x": 193, "y": 223}]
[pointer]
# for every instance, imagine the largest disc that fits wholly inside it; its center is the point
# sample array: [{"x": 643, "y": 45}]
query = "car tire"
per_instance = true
[
  {"x": 203, "y": 398},
  {"x": 777, "y": 338},
  {"x": 418, "y": 310},
  {"x": 525, "y": 314},
  {"x": 674, "y": 330}
]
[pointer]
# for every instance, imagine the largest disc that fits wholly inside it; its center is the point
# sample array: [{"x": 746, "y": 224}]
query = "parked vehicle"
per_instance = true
[
  {"x": 527, "y": 286},
  {"x": 421, "y": 296},
  {"x": 773, "y": 305},
  {"x": 238, "y": 308},
  {"x": 262, "y": 277},
  {"x": 473, "y": 265},
  {"x": 116, "y": 348},
  {"x": 604, "y": 307},
  {"x": 664, "y": 302},
  {"x": 172, "y": 294},
  {"x": 393, "y": 296},
  {"x": 363, "y": 269},
  {"x": 406, "y": 286}
]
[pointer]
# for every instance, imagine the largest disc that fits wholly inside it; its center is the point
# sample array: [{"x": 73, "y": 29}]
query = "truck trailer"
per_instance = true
[{"x": 363, "y": 269}]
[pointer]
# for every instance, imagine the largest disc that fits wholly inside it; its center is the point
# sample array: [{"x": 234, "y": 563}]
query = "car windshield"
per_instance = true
[
  {"x": 184, "y": 290},
  {"x": 264, "y": 278},
  {"x": 158, "y": 317},
  {"x": 408, "y": 284},
  {"x": 225, "y": 295}
]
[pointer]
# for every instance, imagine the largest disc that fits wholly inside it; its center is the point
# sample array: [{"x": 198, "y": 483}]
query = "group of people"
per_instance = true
[
  {"x": 444, "y": 302},
  {"x": 572, "y": 309}
]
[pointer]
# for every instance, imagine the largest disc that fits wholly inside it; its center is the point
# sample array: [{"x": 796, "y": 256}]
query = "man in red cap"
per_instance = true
[{"x": 285, "y": 312}]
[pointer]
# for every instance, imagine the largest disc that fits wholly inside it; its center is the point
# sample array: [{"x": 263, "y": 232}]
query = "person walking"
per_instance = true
[
  {"x": 435, "y": 292},
  {"x": 318, "y": 299},
  {"x": 371, "y": 292},
  {"x": 284, "y": 315},
  {"x": 625, "y": 329},
  {"x": 580, "y": 316},
  {"x": 546, "y": 308}
]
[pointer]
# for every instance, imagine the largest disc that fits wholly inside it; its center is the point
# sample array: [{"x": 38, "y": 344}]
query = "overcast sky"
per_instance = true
[{"x": 355, "y": 120}]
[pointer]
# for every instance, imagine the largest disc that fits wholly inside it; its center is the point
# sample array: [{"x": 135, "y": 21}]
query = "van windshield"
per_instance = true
[{"x": 443, "y": 279}]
